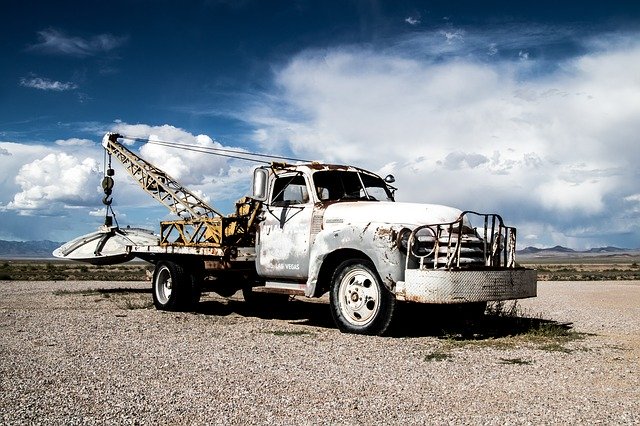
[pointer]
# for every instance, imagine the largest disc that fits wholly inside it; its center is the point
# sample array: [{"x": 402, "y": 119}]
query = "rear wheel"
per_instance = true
[
  {"x": 174, "y": 289},
  {"x": 360, "y": 303}
]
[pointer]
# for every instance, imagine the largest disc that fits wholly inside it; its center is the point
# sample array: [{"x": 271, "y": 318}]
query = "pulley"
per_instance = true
[{"x": 107, "y": 184}]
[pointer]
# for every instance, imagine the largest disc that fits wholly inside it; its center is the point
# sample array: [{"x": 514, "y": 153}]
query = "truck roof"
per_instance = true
[{"x": 316, "y": 166}]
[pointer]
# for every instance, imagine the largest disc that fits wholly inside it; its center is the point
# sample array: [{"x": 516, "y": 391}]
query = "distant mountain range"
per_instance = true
[
  {"x": 564, "y": 251},
  {"x": 28, "y": 249}
]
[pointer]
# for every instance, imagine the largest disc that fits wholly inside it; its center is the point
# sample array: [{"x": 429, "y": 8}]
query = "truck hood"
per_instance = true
[{"x": 407, "y": 214}]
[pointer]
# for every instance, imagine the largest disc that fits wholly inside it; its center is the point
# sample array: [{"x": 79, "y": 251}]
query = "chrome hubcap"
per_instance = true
[
  {"x": 359, "y": 297},
  {"x": 164, "y": 285}
]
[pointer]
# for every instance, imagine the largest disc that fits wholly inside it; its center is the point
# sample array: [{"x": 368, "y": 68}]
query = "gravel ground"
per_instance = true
[{"x": 97, "y": 352}]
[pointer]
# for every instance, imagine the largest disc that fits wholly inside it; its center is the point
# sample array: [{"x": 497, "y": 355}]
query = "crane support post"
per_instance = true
[
  {"x": 158, "y": 183},
  {"x": 235, "y": 230}
]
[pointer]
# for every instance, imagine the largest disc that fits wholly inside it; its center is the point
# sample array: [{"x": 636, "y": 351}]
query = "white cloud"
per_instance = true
[
  {"x": 56, "y": 178},
  {"x": 453, "y": 36},
  {"x": 18, "y": 155},
  {"x": 457, "y": 160},
  {"x": 219, "y": 180},
  {"x": 185, "y": 166},
  {"x": 562, "y": 196},
  {"x": 63, "y": 180},
  {"x": 74, "y": 142},
  {"x": 97, "y": 212},
  {"x": 46, "y": 84},
  {"x": 412, "y": 20},
  {"x": 555, "y": 148},
  {"x": 56, "y": 42}
]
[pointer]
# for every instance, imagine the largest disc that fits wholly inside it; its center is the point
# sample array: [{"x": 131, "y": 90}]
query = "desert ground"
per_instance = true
[{"x": 97, "y": 352}]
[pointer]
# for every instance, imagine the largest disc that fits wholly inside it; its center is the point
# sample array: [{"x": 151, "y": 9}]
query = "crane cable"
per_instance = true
[
  {"x": 107, "y": 182},
  {"x": 221, "y": 152},
  {"x": 107, "y": 186}
]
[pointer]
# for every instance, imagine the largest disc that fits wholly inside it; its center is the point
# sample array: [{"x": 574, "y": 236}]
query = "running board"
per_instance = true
[{"x": 282, "y": 287}]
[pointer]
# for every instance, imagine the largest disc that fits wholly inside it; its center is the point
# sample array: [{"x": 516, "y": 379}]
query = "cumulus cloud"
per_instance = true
[
  {"x": 544, "y": 148},
  {"x": 65, "y": 176},
  {"x": 56, "y": 42},
  {"x": 182, "y": 164},
  {"x": 58, "y": 178},
  {"x": 218, "y": 180},
  {"x": 457, "y": 160},
  {"x": 46, "y": 84},
  {"x": 74, "y": 142}
]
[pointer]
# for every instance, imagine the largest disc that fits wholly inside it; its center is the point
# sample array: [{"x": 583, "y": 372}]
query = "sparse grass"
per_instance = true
[
  {"x": 437, "y": 356},
  {"x": 290, "y": 333},
  {"x": 128, "y": 299},
  {"x": 55, "y": 270},
  {"x": 585, "y": 269},
  {"x": 555, "y": 347},
  {"x": 515, "y": 361},
  {"x": 90, "y": 292},
  {"x": 617, "y": 347},
  {"x": 507, "y": 326},
  {"x": 132, "y": 304}
]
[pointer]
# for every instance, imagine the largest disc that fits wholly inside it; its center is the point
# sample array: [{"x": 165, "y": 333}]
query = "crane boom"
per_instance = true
[
  {"x": 158, "y": 183},
  {"x": 199, "y": 225}
]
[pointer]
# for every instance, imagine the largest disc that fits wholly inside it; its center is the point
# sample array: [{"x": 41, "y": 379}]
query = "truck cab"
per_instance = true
[
  {"x": 296, "y": 200},
  {"x": 337, "y": 229}
]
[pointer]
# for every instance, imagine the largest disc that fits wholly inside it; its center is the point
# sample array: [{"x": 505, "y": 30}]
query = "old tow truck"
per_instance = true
[{"x": 309, "y": 229}]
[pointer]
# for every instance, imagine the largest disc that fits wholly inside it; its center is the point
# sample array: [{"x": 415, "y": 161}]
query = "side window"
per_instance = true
[{"x": 290, "y": 190}]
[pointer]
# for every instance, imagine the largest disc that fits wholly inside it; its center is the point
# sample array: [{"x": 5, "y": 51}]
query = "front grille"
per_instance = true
[{"x": 456, "y": 245}]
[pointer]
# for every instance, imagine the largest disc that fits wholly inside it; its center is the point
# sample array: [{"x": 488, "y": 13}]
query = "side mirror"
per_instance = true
[
  {"x": 389, "y": 179},
  {"x": 260, "y": 180}
]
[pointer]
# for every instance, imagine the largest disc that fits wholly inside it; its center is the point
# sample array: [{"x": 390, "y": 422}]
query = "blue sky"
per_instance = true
[{"x": 529, "y": 110}]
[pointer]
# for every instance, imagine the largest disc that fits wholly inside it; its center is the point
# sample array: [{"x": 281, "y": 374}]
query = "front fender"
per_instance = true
[{"x": 376, "y": 241}]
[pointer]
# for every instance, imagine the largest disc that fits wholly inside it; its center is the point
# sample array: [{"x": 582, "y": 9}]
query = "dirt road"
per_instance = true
[{"x": 97, "y": 352}]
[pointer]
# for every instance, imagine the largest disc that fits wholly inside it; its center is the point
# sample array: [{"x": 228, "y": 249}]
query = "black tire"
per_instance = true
[
  {"x": 360, "y": 303},
  {"x": 174, "y": 289}
]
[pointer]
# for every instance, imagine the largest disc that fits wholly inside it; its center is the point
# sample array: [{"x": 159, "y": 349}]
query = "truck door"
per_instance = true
[{"x": 285, "y": 232}]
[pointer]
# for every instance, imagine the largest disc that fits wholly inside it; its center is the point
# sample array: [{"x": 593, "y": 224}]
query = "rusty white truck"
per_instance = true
[{"x": 308, "y": 229}]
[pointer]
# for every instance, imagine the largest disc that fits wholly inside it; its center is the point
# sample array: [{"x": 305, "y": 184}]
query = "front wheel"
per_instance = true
[
  {"x": 360, "y": 303},
  {"x": 174, "y": 289}
]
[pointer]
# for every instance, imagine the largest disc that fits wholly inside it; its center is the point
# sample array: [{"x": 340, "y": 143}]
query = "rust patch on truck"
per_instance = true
[{"x": 384, "y": 232}]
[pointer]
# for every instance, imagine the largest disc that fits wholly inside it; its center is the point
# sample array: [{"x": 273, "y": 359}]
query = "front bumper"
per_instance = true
[{"x": 464, "y": 286}]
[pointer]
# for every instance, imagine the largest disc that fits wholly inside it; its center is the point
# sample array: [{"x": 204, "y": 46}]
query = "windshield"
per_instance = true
[{"x": 335, "y": 185}]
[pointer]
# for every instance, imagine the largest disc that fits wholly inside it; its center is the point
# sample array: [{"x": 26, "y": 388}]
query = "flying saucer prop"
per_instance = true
[{"x": 107, "y": 246}]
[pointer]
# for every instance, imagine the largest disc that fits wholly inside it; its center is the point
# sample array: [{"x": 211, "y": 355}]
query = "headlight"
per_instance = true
[{"x": 402, "y": 240}]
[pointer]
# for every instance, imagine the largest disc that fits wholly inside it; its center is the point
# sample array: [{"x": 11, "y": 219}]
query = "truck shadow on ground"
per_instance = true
[
  {"x": 411, "y": 320},
  {"x": 418, "y": 320},
  {"x": 295, "y": 311}
]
